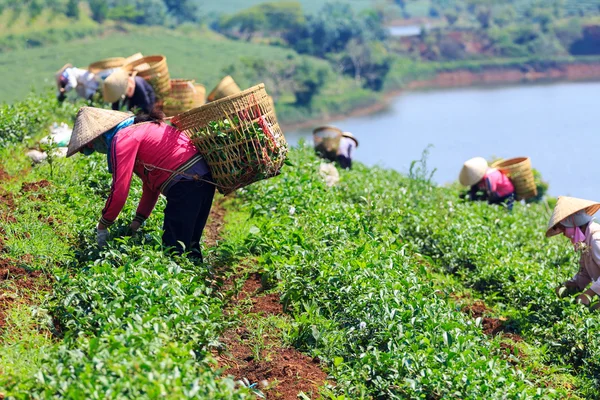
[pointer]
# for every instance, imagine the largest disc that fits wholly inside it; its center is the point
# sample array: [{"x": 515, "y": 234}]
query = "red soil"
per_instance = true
[
  {"x": 279, "y": 372},
  {"x": 16, "y": 284},
  {"x": 34, "y": 186}
]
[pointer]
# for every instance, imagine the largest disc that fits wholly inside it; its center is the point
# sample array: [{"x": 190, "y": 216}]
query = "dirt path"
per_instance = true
[{"x": 259, "y": 358}]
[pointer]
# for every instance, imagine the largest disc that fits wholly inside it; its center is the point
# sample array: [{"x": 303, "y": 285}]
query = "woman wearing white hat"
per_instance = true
[
  {"x": 166, "y": 161},
  {"x": 574, "y": 218},
  {"x": 494, "y": 185},
  {"x": 134, "y": 92},
  {"x": 81, "y": 80},
  {"x": 346, "y": 150}
]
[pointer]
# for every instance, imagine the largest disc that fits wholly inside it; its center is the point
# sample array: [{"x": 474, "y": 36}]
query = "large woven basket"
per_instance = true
[
  {"x": 327, "y": 141},
  {"x": 107, "y": 63},
  {"x": 225, "y": 88},
  {"x": 519, "y": 172},
  {"x": 185, "y": 94},
  {"x": 154, "y": 69},
  {"x": 238, "y": 136}
]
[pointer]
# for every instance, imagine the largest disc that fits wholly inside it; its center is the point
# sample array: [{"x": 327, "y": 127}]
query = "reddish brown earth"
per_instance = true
[
  {"x": 17, "y": 284},
  {"x": 34, "y": 186},
  {"x": 493, "y": 76},
  {"x": 4, "y": 176},
  {"x": 212, "y": 231},
  {"x": 279, "y": 372}
]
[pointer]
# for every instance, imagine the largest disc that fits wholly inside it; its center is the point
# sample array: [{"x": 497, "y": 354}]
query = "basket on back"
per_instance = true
[
  {"x": 154, "y": 69},
  {"x": 107, "y": 63},
  {"x": 519, "y": 172},
  {"x": 238, "y": 136},
  {"x": 185, "y": 94},
  {"x": 327, "y": 141}
]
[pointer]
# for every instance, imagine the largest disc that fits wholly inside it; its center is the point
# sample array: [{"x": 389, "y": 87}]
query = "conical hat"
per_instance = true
[
  {"x": 349, "y": 135},
  {"x": 90, "y": 123},
  {"x": 115, "y": 86},
  {"x": 473, "y": 171},
  {"x": 58, "y": 73},
  {"x": 567, "y": 206}
]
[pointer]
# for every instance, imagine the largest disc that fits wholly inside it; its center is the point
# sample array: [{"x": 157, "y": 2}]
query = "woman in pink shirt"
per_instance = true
[
  {"x": 164, "y": 159},
  {"x": 494, "y": 185},
  {"x": 574, "y": 218}
]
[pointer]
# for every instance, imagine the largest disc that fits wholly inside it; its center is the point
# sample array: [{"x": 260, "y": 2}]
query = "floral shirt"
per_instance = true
[{"x": 589, "y": 264}]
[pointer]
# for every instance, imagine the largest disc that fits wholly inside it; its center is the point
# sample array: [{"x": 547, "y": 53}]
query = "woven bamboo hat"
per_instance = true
[
  {"x": 567, "y": 206},
  {"x": 225, "y": 88},
  {"x": 473, "y": 171},
  {"x": 90, "y": 123},
  {"x": 60, "y": 72},
  {"x": 349, "y": 135},
  {"x": 115, "y": 86}
]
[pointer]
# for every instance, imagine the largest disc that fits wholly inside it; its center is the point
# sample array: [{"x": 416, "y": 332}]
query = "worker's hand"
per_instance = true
[
  {"x": 134, "y": 226},
  {"x": 586, "y": 297},
  {"x": 101, "y": 237}
]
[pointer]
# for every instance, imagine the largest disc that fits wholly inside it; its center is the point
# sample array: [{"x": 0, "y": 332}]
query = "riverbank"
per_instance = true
[{"x": 492, "y": 75}]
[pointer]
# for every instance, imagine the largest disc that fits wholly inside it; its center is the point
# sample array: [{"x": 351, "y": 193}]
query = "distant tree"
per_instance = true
[
  {"x": 35, "y": 8},
  {"x": 125, "y": 10},
  {"x": 247, "y": 22},
  {"x": 330, "y": 30},
  {"x": 451, "y": 17},
  {"x": 72, "y": 10},
  {"x": 504, "y": 15},
  {"x": 99, "y": 9},
  {"x": 183, "y": 10},
  {"x": 152, "y": 12},
  {"x": 482, "y": 9},
  {"x": 308, "y": 81},
  {"x": 402, "y": 5}
]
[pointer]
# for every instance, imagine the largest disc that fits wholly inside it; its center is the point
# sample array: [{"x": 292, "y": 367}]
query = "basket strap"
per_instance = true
[{"x": 196, "y": 177}]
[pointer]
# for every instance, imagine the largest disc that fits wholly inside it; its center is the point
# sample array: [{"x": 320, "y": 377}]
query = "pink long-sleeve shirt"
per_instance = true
[
  {"x": 139, "y": 149},
  {"x": 589, "y": 264},
  {"x": 496, "y": 183}
]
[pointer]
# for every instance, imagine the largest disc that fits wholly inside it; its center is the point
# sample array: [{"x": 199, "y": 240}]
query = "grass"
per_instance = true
[{"x": 194, "y": 56}]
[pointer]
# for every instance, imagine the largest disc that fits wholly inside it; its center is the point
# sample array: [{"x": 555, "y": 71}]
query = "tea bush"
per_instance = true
[{"x": 369, "y": 269}]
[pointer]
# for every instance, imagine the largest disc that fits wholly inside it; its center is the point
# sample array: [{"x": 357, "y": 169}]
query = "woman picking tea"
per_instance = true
[
  {"x": 164, "y": 159},
  {"x": 487, "y": 183}
]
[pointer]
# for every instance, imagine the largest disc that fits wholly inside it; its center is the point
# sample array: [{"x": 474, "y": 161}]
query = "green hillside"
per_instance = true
[
  {"x": 231, "y": 6},
  {"x": 201, "y": 56}
]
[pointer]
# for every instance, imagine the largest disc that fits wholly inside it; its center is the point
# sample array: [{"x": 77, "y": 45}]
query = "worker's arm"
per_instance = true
[
  {"x": 147, "y": 203},
  {"x": 122, "y": 155}
]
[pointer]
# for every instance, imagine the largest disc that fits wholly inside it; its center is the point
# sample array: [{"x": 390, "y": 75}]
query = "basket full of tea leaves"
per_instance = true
[{"x": 238, "y": 136}]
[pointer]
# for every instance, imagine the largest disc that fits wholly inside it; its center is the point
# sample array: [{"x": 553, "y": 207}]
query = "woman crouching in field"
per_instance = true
[
  {"x": 486, "y": 183},
  {"x": 574, "y": 218},
  {"x": 165, "y": 160}
]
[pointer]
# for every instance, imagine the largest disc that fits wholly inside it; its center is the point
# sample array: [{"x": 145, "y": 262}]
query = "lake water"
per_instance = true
[{"x": 556, "y": 125}]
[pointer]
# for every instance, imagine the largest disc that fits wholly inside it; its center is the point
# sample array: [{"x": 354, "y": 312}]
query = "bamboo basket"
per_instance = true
[
  {"x": 185, "y": 94},
  {"x": 519, "y": 172},
  {"x": 225, "y": 88},
  {"x": 132, "y": 58},
  {"x": 107, "y": 63},
  {"x": 154, "y": 69},
  {"x": 327, "y": 141},
  {"x": 238, "y": 136}
]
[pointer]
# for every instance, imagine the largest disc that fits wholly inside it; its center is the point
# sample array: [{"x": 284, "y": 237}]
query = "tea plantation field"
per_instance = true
[{"x": 397, "y": 288}]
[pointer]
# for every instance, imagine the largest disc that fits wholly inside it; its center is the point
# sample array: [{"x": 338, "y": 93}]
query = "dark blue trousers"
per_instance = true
[{"x": 188, "y": 207}]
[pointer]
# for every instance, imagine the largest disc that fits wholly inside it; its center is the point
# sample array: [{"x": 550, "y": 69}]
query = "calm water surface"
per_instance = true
[{"x": 556, "y": 125}]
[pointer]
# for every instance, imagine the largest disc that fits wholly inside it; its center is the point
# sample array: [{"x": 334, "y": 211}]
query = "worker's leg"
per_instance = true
[
  {"x": 345, "y": 162},
  {"x": 205, "y": 198},
  {"x": 183, "y": 208}
]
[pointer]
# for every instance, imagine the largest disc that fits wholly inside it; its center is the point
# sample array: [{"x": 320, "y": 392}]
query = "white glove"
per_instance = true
[{"x": 101, "y": 237}]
